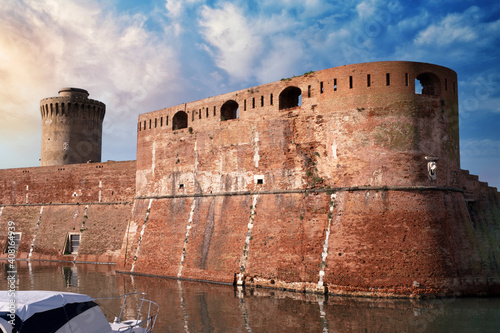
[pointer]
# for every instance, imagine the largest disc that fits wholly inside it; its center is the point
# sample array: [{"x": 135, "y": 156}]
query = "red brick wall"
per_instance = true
[
  {"x": 77, "y": 183},
  {"x": 394, "y": 235},
  {"x": 48, "y": 203}
]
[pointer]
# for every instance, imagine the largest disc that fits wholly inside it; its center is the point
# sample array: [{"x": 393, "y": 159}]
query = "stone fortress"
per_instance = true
[{"x": 340, "y": 181}]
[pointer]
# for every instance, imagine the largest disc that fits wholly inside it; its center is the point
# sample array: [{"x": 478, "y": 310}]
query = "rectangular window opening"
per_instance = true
[
  {"x": 139, "y": 126},
  {"x": 149, "y": 123},
  {"x": 166, "y": 121},
  {"x": 199, "y": 113},
  {"x": 144, "y": 124},
  {"x": 368, "y": 80},
  {"x": 406, "y": 79},
  {"x": 334, "y": 84},
  {"x": 215, "y": 112},
  {"x": 245, "y": 105},
  {"x": 253, "y": 102},
  {"x": 350, "y": 82},
  {"x": 261, "y": 101},
  {"x": 309, "y": 91},
  {"x": 72, "y": 244},
  {"x": 156, "y": 122},
  {"x": 387, "y": 79},
  {"x": 161, "y": 121},
  {"x": 271, "y": 99},
  {"x": 321, "y": 87},
  {"x": 181, "y": 186}
]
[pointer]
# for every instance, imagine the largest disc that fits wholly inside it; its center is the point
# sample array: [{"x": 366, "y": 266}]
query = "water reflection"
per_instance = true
[{"x": 187, "y": 306}]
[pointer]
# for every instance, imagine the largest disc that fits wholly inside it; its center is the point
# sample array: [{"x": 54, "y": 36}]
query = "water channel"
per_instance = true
[{"x": 189, "y": 306}]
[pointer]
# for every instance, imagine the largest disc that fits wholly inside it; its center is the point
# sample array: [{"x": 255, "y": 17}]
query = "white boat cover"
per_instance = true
[
  {"x": 35, "y": 301},
  {"x": 52, "y": 312}
]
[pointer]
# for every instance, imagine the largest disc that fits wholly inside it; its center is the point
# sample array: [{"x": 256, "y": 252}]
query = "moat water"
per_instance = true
[{"x": 187, "y": 306}]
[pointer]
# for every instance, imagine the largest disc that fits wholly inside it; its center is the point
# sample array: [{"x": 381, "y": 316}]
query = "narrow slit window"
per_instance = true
[
  {"x": 166, "y": 121},
  {"x": 207, "y": 113},
  {"x": 368, "y": 80},
  {"x": 215, "y": 111},
  {"x": 199, "y": 113},
  {"x": 253, "y": 102},
  {"x": 406, "y": 79},
  {"x": 271, "y": 99},
  {"x": 156, "y": 122},
  {"x": 139, "y": 126},
  {"x": 192, "y": 115},
  {"x": 321, "y": 87},
  {"x": 309, "y": 91},
  {"x": 261, "y": 101},
  {"x": 350, "y": 82},
  {"x": 149, "y": 123},
  {"x": 245, "y": 105},
  {"x": 387, "y": 79},
  {"x": 334, "y": 84},
  {"x": 144, "y": 124},
  {"x": 161, "y": 121}
]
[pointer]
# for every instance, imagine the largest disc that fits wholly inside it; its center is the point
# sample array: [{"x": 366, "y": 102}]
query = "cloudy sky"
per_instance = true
[{"x": 140, "y": 56}]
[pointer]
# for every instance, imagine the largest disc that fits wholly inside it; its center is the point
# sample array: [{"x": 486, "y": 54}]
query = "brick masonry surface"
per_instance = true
[{"x": 343, "y": 180}]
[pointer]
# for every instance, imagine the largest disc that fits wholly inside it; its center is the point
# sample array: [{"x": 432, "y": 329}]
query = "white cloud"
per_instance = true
[
  {"x": 480, "y": 147},
  {"x": 231, "y": 38},
  {"x": 455, "y": 27},
  {"x": 49, "y": 45},
  {"x": 280, "y": 61}
]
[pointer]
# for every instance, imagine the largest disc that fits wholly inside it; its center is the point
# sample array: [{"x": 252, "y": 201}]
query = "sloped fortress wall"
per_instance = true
[
  {"x": 48, "y": 205},
  {"x": 71, "y": 128},
  {"x": 344, "y": 179}
]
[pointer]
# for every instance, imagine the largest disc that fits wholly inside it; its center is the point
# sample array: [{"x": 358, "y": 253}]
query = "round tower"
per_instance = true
[{"x": 71, "y": 128}]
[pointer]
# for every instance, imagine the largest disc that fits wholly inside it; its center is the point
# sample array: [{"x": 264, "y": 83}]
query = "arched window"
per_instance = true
[
  {"x": 180, "y": 120},
  {"x": 229, "y": 110},
  {"x": 290, "y": 97},
  {"x": 431, "y": 85}
]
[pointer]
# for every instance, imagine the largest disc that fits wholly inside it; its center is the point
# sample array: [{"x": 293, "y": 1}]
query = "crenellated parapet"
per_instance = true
[{"x": 72, "y": 128}]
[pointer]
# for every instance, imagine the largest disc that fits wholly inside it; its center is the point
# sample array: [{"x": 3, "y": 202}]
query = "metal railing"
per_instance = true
[{"x": 147, "y": 312}]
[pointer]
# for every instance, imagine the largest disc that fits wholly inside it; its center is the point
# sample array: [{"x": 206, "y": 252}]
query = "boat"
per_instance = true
[{"x": 39, "y": 311}]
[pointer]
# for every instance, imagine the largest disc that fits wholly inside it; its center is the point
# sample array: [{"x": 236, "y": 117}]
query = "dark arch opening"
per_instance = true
[
  {"x": 430, "y": 83},
  {"x": 180, "y": 120},
  {"x": 229, "y": 110},
  {"x": 290, "y": 97}
]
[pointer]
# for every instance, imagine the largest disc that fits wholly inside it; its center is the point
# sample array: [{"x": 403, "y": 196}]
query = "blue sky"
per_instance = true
[{"x": 140, "y": 56}]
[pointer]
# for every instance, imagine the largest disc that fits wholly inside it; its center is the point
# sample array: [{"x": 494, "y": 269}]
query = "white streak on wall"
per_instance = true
[
  {"x": 186, "y": 239},
  {"x": 1, "y": 211},
  {"x": 37, "y": 226},
  {"x": 334, "y": 150},
  {"x": 27, "y": 189},
  {"x": 324, "y": 254},
  {"x": 195, "y": 156},
  {"x": 141, "y": 235},
  {"x": 244, "y": 256},
  {"x": 256, "y": 156},
  {"x": 100, "y": 192}
]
